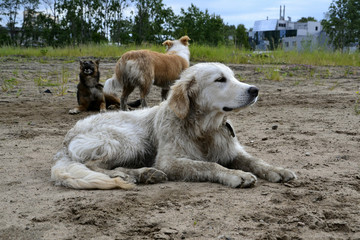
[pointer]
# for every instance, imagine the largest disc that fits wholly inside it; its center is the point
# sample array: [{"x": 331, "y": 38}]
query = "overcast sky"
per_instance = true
[{"x": 246, "y": 12}]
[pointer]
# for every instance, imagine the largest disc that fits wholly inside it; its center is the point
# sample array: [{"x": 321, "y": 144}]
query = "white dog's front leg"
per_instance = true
[
  {"x": 262, "y": 169},
  {"x": 184, "y": 169}
]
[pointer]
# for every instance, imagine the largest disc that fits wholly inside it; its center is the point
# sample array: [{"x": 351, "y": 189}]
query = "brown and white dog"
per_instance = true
[{"x": 142, "y": 68}]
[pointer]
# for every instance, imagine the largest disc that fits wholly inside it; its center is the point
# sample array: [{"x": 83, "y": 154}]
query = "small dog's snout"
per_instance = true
[{"x": 253, "y": 91}]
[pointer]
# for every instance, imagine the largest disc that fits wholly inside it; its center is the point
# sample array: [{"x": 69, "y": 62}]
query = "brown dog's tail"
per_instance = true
[{"x": 76, "y": 175}]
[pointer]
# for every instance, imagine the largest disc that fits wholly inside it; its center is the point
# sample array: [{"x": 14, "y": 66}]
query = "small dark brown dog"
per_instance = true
[{"x": 90, "y": 94}]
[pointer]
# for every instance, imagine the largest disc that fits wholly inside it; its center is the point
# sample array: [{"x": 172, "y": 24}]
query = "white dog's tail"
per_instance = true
[
  {"x": 112, "y": 85},
  {"x": 76, "y": 175}
]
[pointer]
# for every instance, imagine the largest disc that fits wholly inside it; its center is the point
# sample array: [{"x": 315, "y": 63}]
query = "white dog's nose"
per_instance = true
[{"x": 253, "y": 91}]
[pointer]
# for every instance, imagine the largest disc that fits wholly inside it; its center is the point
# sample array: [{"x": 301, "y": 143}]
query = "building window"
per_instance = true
[
  {"x": 294, "y": 43},
  {"x": 282, "y": 24},
  {"x": 287, "y": 44},
  {"x": 316, "y": 28}
]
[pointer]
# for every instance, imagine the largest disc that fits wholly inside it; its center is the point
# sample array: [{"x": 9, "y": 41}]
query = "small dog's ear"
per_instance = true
[
  {"x": 97, "y": 61},
  {"x": 168, "y": 44},
  {"x": 179, "y": 100},
  {"x": 185, "y": 40}
]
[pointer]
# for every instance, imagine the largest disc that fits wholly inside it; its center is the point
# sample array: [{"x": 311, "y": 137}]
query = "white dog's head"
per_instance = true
[
  {"x": 179, "y": 47},
  {"x": 211, "y": 87}
]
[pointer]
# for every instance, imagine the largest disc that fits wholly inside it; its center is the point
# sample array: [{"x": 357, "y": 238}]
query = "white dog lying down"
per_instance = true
[{"x": 186, "y": 138}]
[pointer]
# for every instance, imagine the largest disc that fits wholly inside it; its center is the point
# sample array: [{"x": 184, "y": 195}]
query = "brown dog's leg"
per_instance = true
[
  {"x": 112, "y": 102},
  {"x": 124, "y": 96},
  {"x": 103, "y": 107},
  {"x": 144, "y": 91},
  {"x": 84, "y": 103},
  {"x": 78, "y": 109}
]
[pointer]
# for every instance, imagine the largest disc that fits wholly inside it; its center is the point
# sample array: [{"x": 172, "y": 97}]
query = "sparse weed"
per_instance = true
[
  {"x": 311, "y": 72},
  {"x": 240, "y": 77},
  {"x": 41, "y": 82},
  {"x": 16, "y": 72},
  {"x": 319, "y": 82},
  {"x": 43, "y": 60},
  {"x": 335, "y": 85},
  {"x": 348, "y": 71},
  {"x": 273, "y": 74},
  {"x": 326, "y": 74},
  {"x": 18, "y": 93},
  {"x": 357, "y": 103},
  {"x": 9, "y": 84},
  {"x": 63, "y": 81}
]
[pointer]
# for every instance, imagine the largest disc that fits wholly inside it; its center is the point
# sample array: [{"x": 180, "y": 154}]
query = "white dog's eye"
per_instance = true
[{"x": 221, "y": 79}]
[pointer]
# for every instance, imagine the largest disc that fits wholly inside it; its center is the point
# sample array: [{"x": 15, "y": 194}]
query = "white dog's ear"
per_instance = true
[
  {"x": 179, "y": 100},
  {"x": 185, "y": 40}
]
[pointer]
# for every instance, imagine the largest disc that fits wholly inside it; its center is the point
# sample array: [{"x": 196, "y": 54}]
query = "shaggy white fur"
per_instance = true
[{"x": 187, "y": 138}]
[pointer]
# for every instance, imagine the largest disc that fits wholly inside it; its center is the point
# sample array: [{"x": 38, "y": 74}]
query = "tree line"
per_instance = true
[{"x": 74, "y": 22}]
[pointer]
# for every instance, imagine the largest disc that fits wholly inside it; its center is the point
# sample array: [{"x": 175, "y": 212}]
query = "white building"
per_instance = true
[{"x": 273, "y": 33}]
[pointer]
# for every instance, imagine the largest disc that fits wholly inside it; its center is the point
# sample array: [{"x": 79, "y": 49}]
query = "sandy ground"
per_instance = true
[{"x": 305, "y": 122}]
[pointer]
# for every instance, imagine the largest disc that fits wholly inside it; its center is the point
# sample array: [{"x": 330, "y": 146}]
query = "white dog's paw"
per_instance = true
[
  {"x": 280, "y": 175},
  {"x": 241, "y": 179},
  {"x": 151, "y": 176},
  {"x": 74, "y": 111},
  {"x": 123, "y": 176},
  {"x": 102, "y": 110}
]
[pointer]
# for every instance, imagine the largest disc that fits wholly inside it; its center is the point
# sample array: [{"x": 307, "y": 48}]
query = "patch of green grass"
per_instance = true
[{"x": 199, "y": 53}]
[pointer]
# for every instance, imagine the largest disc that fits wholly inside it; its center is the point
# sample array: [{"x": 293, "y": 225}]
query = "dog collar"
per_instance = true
[{"x": 229, "y": 127}]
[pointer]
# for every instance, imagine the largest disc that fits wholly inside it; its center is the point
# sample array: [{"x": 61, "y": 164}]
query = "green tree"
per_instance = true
[
  {"x": 230, "y": 34},
  {"x": 118, "y": 26},
  {"x": 242, "y": 39},
  {"x": 152, "y": 21},
  {"x": 201, "y": 27},
  {"x": 10, "y": 10},
  {"x": 4, "y": 37},
  {"x": 342, "y": 23},
  {"x": 307, "y": 19}
]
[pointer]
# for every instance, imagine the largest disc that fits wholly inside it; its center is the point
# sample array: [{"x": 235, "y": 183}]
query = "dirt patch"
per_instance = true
[{"x": 305, "y": 120}]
